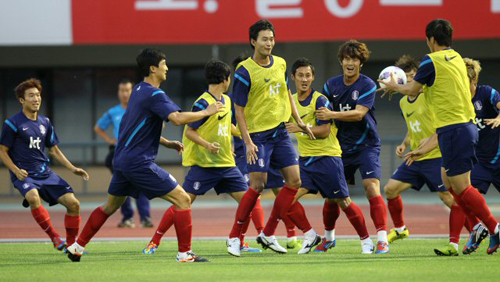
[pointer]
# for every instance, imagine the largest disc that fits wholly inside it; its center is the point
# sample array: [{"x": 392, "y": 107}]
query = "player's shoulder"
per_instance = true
[
  {"x": 366, "y": 81},
  {"x": 16, "y": 118},
  {"x": 115, "y": 109},
  {"x": 336, "y": 80},
  {"x": 426, "y": 59},
  {"x": 278, "y": 60},
  {"x": 319, "y": 95}
]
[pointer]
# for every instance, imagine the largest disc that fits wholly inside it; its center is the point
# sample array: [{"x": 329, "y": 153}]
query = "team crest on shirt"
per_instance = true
[
  {"x": 478, "y": 105},
  {"x": 196, "y": 186},
  {"x": 43, "y": 130},
  {"x": 355, "y": 95},
  {"x": 26, "y": 186}
]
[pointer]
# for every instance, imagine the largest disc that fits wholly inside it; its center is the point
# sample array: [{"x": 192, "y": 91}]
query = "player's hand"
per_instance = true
[
  {"x": 306, "y": 129},
  {"x": 412, "y": 156},
  {"x": 252, "y": 153},
  {"x": 21, "y": 174},
  {"x": 292, "y": 127},
  {"x": 390, "y": 87},
  {"x": 324, "y": 113},
  {"x": 213, "y": 147},
  {"x": 214, "y": 108},
  {"x": 400, "y": 150},
  {"x": 80, "y": 172},
  {"x": 494, "y": 122},
  {"x": 176, "y": 145}
]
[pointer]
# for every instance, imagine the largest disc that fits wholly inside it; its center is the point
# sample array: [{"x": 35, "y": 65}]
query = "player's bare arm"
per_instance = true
[
  {"x": 58, "y": 155},
  {"x": 242, "y": 124},
  {"x": 401, "y": 148},
  {"x": 98, "y": 130},
  {"x": 176, "y": 145},
  {"x": 495, "y": 122},
  {"x": 182, "y": 118},
  {"x": 194, "y": 136},
  {"x": 234, "y": 131},
  {"x": 296, "y": 116},
  {"x": 21, "y": 174},
  {"x": 320, "y": 131},
  {"x": 425, "y": 146},
  {"x": 411, "y": 88},
  {"x": 349, "y": 116}
]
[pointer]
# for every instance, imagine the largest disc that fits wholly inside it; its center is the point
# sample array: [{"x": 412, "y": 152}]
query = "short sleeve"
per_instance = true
[
  {"x": 494, "y": 98},
  {"x": 9, "y": 133},
  {"x": 326, "y": 90},
  {"x": 162, "y": 105},
  {"x": 51, "y": 139},
  {"x": 322, "y": 101},
  {"x": 426, "y": 74},
  {"x": 367, "y": 95},
  {"x": 199, "y": 105},
  {"x": 105, "y": 121},
  {"x": 241, "y": 86}
]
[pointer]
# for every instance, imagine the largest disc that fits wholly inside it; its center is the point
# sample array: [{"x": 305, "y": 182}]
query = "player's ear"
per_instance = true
[{"x": 252, "y": 41}]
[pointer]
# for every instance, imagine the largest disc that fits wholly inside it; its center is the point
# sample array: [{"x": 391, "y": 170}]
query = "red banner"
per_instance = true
[{"x": 227, "y": 21}]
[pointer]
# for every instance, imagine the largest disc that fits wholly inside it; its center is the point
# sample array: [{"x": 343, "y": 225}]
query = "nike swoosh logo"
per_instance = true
[
  {"x": 221, "y": 117},
  {"x": 266, "y": 80},
  {"x": 335, "y": 96},
  {"x": 369, "y": 172},
  {"x": 410, "y": 114},
  {"x": 448, "y": 58},
  {"x": 303, "y": 116},
  {"x": 24, "y": 129},
  {"x": 439, "y": 186},
  {"x": 336, "y": 192}
]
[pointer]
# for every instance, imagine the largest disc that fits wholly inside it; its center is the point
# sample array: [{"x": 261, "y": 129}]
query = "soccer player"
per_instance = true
[
  {"x": 421, "y": 136},
  {"x": 22, "y": 150},
  {"x": 135, "y": 171},
  {"x": 113, "y": 117},
  {"x": 486, "y": 102},
  {"x": 443, "y": 75},
  {"x": 263, "y": 104},
  {"x": 352, "y": 96},
  {"x": 321, "y": 168}
]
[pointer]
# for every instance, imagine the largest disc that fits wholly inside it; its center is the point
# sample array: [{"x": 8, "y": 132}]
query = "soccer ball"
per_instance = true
[{"x": 385, "y": 75}]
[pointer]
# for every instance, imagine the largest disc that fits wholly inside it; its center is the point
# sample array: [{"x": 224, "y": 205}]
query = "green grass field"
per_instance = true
[{"x": 409, "y": 260}]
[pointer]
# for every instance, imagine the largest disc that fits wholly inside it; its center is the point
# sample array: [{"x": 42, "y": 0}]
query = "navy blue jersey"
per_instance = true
[
  {"x": 354, "y": 135},
  {"x": 238, "y": 143},
  {"x": 485, "y": 104},
  {"x": 141, "y": 126},
  {"x": 27, "y": 140}
]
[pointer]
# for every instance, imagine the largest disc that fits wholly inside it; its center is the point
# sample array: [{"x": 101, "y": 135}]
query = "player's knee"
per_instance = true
[
  {"x": 447, "y": 198},
  {"x": 182, "y": 201},
  {"x": 390, "y": 192},
  {"x": 33, "y": 199},
  {"x": 73, "y": 206},
  {"x": 294, "y": 183},
  {"x": 258, "y": 186}
]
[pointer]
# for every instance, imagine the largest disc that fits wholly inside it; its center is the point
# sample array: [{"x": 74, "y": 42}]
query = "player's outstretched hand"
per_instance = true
[
  {"x": 412, "y": 156},
  {"x": 292, "y": 127},
  {"x": 390, "y": 87},
  {"x": 323, "y": 113},
  {"x": 214, "y": 108},
  {"x": 494, "y": 122},
  {"x": 306, "y": 129},
  {"x": 80, "y": 172},
  {"x": 214, "y": 147},
  {"x": 252, "y": 153},
  {"x": 400, "y": 150},
  {"x": 21, "y": 174},
  {"x": 176, "y": 145}
]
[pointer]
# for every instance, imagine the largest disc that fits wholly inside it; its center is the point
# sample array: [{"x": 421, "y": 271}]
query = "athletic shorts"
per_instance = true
[
  {"x": 200, "y": 180},
  {"x": 150, "y": 180},
  {"x": 324, "y": 175},
  {"x": 50, "y": 188},
  {"x": 458, "y": 147},
  {"x": 483, "y": 176},
  {"x": 366, "y": 159},
  {"x": 274, "y": 177},
  {"x": 420, "y": 173}
]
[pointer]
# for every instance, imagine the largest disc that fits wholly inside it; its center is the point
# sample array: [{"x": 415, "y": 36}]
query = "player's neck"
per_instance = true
[
  {"x": 350, "y": 80},
  {"x": 261, "y": 60},
  {"x": 153, "y": 80},
  {"x": 438, "y": 48},
  {"x": 302, "y": 95},
  {"x": 124, "y": 105},
  {"x": 30, "y": 115},
  {"x": 216, "y": 90}
]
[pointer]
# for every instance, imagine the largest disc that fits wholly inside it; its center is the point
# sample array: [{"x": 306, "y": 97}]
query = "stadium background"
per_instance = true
[{"x": 80, "y": 50}]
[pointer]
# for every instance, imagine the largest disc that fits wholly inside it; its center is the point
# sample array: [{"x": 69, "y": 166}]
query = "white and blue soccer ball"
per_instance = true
[{"x": 385, "y": 75}]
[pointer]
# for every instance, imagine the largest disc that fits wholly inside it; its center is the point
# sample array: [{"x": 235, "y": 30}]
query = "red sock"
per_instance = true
[
  {"x": 281, "y": 206},
  {"x": 467, "y": 225},
  {"x": 245, "y": 207},
  {"x": 183, "y": 229},
  {"x": 396, "y": 210},
  {"x": 42, "y": 217},
  {"x": 378, "y": 212},
  {"x": 97, "y": 219},
  {"x": 166, "y": 222},
  {"x": 331, "y": 213},
  {"x": 457, "y": 220},
  {"x": 258, "y": 217},
  {"x": 297, "y": 214},
  {"x": 477, "y": 204},
  {"x": 244, "y": 230},
  {"x": 290, "y": 226},
  {"x": 272, "y": 224},
  {"x": 355, "y": 216},
  {"x": 472, "y": 220},
  {"x": 72, "y": 224}
]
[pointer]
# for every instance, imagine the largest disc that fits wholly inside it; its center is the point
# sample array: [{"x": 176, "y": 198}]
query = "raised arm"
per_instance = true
[{"x": 182, "y": 118}]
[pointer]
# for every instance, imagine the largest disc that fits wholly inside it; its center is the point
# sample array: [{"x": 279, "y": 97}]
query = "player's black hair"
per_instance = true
[
  {"x": 407, "y": 63},
  {"x": 238, "y": 60},
  {"x": 125, "y": 81},
  {"x": 354, "y": 49},
  {"x": 441, "y": 30},
  {"x": 302, "y": 62},
  {"x": 259, "y": 26},
  {"x": 147, "y": 58},
  {"x": 216, "y": 71}
]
